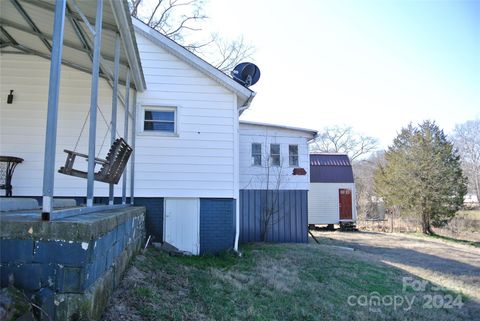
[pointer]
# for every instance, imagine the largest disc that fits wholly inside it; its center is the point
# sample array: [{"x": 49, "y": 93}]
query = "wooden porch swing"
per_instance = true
[{"x": 112, "y": 166}]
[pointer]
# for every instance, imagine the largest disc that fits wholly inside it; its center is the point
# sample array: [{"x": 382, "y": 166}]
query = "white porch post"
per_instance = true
[
  {"x": 132, "y": 157},
  {"x": 92, "y": 132},
  {"x": 125, "y": 133},
  {"x": 52, "y": 114},
  {"x": 113, "y": 129}
]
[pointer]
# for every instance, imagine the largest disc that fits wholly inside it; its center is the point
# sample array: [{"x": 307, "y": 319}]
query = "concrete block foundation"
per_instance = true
[{"x": 71, "y": 266}]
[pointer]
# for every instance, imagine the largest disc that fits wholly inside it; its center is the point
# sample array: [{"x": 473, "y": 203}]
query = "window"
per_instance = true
[
  {"x": 160, "y": 120},
  {"x": 275, "y": 154},
  {"x": 257, "y": 154},
  {"x": 293, "y": 155}
]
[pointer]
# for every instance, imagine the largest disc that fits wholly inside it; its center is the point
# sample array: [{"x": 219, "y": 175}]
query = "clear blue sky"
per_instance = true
[{"x": 374, "y": 65}]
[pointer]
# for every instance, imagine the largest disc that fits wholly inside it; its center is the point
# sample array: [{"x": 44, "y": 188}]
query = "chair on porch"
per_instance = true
[{"x": 112, "y": 166}]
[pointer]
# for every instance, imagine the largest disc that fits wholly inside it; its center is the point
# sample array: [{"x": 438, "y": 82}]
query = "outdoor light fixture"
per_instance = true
[{"x": 10, "y": 97}]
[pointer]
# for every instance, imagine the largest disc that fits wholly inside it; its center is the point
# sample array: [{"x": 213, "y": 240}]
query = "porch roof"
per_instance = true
[{"x": 26, "y": 27}]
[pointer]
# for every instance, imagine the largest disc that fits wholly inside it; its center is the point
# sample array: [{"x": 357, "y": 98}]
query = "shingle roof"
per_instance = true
[{"x": 330, "y": 168}]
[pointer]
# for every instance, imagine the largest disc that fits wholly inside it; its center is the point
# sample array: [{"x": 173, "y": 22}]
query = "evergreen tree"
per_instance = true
[{"x": 422, "y": 174}]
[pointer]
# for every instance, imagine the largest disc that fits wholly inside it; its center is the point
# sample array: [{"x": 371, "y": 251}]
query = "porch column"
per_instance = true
[
  {"x": 132, "y": 157},
  {"x": 113, "y": 129},
  {"x": 125, "y": 133},
  {"x": 52, "y": 113},
  {"x": 92, "y": 132}
]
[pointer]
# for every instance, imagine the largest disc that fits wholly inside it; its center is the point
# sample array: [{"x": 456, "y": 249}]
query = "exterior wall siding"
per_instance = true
[
  {"x": 289, "y": 222},
  {"x": 22, "y": 124},
  {"x": 255, "y": 177},
  {"x": 199, "y": 160},
  {"x": 217, "y": 224},
  {"x": 323, "y": 202}
]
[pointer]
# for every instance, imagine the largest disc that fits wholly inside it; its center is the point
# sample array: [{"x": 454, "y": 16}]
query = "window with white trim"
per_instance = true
[
  {"x": 275, "y": 154},
  {"x": 256, "y": 154},
  {"x": 160, "y": 119},
  {"x": 293, "y": 155}
]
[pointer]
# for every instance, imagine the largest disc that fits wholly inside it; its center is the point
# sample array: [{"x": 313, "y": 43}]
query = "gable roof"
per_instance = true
[
  {"x": 311, "y": 132},
  {"x": 190, "y": 58},
  {"x": 330, "y": 168}
]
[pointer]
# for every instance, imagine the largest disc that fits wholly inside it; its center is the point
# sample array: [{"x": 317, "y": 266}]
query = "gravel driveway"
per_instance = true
[{"x": 452, "y": 265}]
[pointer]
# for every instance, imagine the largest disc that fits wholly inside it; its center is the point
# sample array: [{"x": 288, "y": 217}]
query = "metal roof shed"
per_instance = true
[
  {"x": 96, "y": 37},
  {"x": 330, "y": 168},
  {"x": 331, "y": 198}
]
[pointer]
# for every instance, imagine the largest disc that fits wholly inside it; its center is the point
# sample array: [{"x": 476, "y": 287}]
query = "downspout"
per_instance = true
[{"x": 237, "y": 203}]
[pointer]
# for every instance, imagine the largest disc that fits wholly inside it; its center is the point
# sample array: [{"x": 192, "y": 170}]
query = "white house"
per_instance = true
[
  {"x": 200, "y": 172},
  {"x": 331, "y": 198},
  {"x": 183, "y": 124},
  {"x": 274, "y": 179}
]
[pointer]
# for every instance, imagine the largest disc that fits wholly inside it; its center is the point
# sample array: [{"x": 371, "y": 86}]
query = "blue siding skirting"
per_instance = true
[
  {"x": 153, "y": 217},
  {"x": 217, "y": 221},
  {"x": 217, "y": 224},
  {"x": 289, "y": 222}
]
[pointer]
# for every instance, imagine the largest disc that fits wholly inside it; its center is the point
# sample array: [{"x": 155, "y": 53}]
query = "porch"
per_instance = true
[{"x": 73, "y": 71}]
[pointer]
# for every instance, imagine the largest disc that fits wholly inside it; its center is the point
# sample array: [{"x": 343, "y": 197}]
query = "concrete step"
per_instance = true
[{"x": 17, "y": 204}]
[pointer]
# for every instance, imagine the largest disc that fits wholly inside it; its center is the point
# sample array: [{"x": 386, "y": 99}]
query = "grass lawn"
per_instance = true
[
  {"x": 276, "y": 282},
  {"x": 447, "y": 239}
]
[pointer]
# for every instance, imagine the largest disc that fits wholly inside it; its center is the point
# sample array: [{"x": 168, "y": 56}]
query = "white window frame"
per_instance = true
[
  {"x": 279, "y": 155},
  {"x": 261, "y": 161},
  {"x": 290, "y": 156},
  {"x": 145, "y": 108}
]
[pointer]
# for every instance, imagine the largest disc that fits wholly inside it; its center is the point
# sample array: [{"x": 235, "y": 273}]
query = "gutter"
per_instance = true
[
  {"x": 247, "y": 103},
  {"x": 125, "y": 28}
]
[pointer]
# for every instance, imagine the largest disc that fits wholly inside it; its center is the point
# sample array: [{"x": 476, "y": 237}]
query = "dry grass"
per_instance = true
[
  {"x": 465, "y": 226},
  {"x": 269, "y": 282}
]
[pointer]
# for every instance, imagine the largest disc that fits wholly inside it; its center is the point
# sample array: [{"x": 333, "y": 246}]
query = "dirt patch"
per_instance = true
[{"x": 452, "y": 265}]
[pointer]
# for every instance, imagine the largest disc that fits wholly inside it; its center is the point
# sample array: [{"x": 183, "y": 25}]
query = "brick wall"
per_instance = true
[{"x": 217, "y": 224}]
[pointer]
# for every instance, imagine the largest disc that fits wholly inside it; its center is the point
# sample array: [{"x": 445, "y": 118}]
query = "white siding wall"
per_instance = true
[
  {"x": 255, "y": 177},
  {"x": 323, "y": 202},
  {"x": 200, "y": 160},
  {"x": 22, "y": 124}
]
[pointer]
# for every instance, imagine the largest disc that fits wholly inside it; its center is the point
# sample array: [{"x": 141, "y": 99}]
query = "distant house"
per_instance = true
[
  {"x": 471, "y": 200},
  {"x": 331, "y": 198},
  {"x": 274, "y": 175}
]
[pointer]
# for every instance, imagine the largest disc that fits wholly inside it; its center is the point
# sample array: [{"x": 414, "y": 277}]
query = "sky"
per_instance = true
[{"x": 372, "y": 65}]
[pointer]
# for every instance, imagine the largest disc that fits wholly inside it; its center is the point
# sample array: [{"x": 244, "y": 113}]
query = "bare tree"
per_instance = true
[
  {"x": 344, "y": 140},
  {"x": 181, "y": 21},
  {"x": 466, "y": 138},
  {"x": 274, "y": 175},
  {"x": 269, "y": 177},
  {"x": 363, "y": 171}
]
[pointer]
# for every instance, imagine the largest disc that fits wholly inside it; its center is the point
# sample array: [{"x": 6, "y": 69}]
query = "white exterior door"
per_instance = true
[{"x": 182, "y": 224}]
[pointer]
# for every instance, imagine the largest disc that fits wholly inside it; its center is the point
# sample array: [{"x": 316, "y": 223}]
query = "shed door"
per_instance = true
[
  {"x": 345, "y": 203},
  {"x": 182, "y": 224}
]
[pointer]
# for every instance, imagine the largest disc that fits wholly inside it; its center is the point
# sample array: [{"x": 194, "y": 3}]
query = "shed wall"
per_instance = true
[{"x": 323, "y": 202}]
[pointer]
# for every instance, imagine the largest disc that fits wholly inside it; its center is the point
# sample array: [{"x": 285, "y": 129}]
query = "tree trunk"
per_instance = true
[
  {"x": 477, "y": 187},
  {"x": 426, "y": 228}
]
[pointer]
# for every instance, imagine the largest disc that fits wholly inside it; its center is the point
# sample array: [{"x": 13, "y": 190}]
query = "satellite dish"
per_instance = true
[{"x": 246, "y": 73}]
